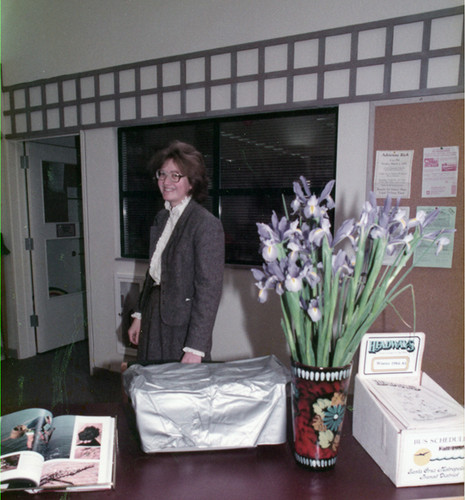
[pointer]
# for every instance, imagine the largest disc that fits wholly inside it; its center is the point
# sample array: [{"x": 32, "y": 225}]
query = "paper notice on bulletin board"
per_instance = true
[
  {"x": 393, "y": 173},
  {"x": 425, "y": 254},
  {"x": 440, "y": 172}
]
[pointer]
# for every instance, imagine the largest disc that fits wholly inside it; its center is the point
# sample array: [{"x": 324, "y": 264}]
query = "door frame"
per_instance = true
[
  {"x": 15, "y": 228},
  {"x": 18, "y": 283}
]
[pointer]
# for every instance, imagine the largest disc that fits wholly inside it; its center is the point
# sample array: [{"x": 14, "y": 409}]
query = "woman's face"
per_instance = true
[{"x": 173, "y": 192}]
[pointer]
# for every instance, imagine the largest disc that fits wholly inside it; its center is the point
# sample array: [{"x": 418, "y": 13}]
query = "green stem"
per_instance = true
[
  {"x": 288, "y": 332},
  {"x": 355, "y": 282},
  {"x": 324, "y": 340}
]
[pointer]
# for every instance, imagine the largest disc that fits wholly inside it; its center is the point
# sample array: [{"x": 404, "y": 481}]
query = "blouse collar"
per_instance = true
[{"x": 179, "y": 208}]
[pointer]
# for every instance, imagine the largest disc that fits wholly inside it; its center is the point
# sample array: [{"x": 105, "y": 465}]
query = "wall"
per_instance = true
[
  {"x": 244, "y": 327},
  {"x": 89, "y": 35},
  {"x": 65, "y": 37},
  {"x": 439, "y": 298}
]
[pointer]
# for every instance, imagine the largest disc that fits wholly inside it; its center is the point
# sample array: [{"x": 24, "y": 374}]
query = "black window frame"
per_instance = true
[{"x": 217, "y": 194}]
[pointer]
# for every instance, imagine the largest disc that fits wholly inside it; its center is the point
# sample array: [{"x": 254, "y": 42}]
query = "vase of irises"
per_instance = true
[
  {"x": 332, "y": 287},
  {"x": 319, "y": 399}
]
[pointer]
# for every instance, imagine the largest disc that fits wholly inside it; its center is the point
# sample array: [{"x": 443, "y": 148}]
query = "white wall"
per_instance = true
[
  {"x": 70, "y": 36},
  {"x": 244, "y": 327},
  {"x": 45, "y": 38},
  {"x": 99, "y": 158},
  {"x": 352, "y": 160}
]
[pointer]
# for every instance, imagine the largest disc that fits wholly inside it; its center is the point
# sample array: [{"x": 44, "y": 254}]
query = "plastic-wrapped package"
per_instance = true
[{"x": 192, "y": 407}]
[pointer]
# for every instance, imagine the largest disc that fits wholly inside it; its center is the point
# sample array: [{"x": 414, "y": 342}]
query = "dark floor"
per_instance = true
[{"x": 56, "y": 379}]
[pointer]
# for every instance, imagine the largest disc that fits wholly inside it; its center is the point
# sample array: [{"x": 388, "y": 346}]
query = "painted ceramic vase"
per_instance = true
[{"x": 319, "y": 398}]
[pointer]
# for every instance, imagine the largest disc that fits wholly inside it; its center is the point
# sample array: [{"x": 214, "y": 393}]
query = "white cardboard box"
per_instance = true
[{"x": 430, "y": 452}]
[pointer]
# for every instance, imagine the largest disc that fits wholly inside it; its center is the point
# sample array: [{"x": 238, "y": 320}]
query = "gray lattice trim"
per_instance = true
[{"x": 409, "y": 56}]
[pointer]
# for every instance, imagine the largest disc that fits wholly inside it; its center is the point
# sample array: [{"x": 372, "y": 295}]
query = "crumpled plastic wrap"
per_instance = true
[{"x": 192, "y": 407}]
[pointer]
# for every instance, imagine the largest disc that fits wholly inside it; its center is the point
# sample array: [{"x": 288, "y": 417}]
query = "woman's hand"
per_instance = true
[
  {"x": 190, "y": 357},
  {"x": 134, "y": 331}
]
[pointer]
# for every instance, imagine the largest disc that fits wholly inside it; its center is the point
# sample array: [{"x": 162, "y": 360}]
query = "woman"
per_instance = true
[{"x": 182, "y": 289}]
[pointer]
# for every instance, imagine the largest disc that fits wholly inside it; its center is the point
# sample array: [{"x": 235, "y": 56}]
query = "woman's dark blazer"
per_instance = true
[{"x": 192, "y": 269}]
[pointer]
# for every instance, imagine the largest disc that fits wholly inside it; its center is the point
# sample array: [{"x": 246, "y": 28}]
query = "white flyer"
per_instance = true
[
  {"x": 393, "y": 173},
  {"x": 440, "y": 172},
  {"x": 416, "y": 406}
]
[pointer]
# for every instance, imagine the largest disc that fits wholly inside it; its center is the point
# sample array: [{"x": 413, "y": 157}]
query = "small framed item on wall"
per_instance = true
[{"x": 128, "y": 289}]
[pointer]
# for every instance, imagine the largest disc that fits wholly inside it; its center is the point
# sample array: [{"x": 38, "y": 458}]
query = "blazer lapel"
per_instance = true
[{"x": 157, "y": 229}]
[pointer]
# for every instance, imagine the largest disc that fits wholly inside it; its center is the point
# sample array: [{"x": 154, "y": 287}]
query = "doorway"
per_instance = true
[{"x": 54, "y": 199}]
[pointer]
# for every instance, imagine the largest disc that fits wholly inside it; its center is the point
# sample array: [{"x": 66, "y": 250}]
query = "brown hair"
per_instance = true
[{"x": 189, "y": 161}]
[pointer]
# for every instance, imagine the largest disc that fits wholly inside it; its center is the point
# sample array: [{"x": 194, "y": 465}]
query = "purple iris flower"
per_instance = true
[
  {"x": 293, "y": 283},
  {"x": 269, "y": 251},
  {"x": 310, "y": 273},
  {"x": 316, "y": 236},
  {"x": 399, "y": 242},
  {"x": 265, "y": 232},
  {"x": 341, "y": 262},
  {"x": 344, "y": 231},
  {"x": 312, "y": 209},
  {"x": 326, "y": 195},
  {"x": 258, "y": 274},
  {"x": 441, "y": 243},
  {"x": 314, "y": 310}
]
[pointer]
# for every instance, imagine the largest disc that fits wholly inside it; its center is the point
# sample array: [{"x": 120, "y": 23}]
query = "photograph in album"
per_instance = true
[{"x": 40, "y": 451}]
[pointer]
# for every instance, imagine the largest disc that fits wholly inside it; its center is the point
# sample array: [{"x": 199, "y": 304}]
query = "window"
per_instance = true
[{"x": 251, "y": 161}]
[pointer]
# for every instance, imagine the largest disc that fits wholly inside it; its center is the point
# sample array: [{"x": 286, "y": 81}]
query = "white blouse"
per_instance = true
[{"x": 175, "y": 214}]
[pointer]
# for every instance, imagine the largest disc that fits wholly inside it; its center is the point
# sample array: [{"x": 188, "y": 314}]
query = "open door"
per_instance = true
[{"x": 57, "y": 245}]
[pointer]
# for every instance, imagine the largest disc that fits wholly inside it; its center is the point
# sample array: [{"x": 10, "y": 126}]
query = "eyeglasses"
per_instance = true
[{"x": 161, "y": 175}]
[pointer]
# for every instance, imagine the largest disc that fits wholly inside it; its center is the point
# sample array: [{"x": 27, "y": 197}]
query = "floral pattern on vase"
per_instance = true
[{"x": 319, "y": 397}]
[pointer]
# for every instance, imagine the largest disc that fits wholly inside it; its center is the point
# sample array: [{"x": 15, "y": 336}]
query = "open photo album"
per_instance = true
[{"x": 67, "y": 452}]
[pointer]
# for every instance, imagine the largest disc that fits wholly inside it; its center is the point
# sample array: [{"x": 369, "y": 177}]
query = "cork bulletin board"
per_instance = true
[{"x": 439, "y": 292}]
